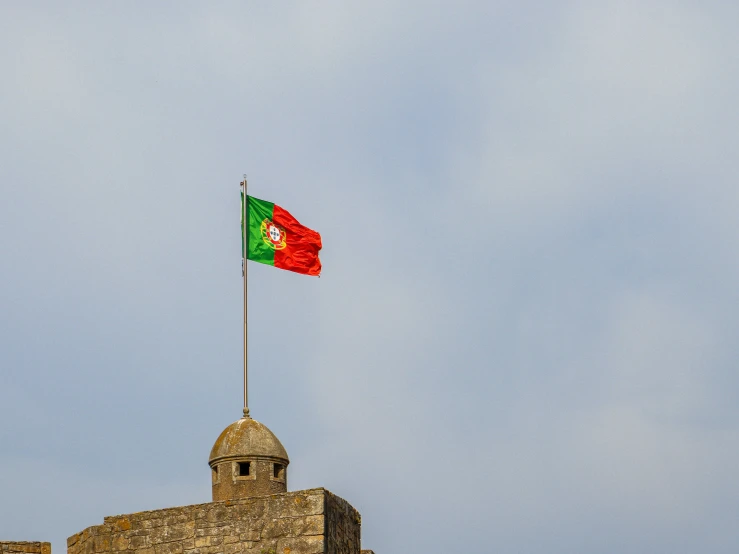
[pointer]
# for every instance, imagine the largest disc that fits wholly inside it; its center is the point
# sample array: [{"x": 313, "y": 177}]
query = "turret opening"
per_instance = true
[{"x": 244, "y": 469}]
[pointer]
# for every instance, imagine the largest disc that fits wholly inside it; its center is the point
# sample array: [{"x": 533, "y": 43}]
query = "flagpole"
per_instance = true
[{"x": 245, "y": 239}]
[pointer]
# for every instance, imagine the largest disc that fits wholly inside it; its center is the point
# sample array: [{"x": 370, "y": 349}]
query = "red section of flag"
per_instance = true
[{"x": 301, "y": 251}]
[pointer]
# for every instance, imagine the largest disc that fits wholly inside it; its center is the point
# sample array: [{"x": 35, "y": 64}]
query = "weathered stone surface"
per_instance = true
[
  {"x": 342, "y": 526},
  {"x": 22, "y": 547},
  {"x": 302, "y": 522}
]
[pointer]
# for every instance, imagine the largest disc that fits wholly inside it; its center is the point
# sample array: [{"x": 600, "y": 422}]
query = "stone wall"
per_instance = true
[
  {"x": 302, "y": 522},
  {"x": 7, "y": 547},
  {"x": 342, "y": 526}
]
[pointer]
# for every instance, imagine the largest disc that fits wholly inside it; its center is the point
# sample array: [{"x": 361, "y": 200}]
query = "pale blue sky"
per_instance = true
[{"x": 524, "y": 339}]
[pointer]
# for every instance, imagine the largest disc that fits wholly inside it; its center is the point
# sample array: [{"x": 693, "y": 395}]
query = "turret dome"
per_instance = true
[
  {"x": 246, "y": 437},
  {"x": 247, "y": 460}
]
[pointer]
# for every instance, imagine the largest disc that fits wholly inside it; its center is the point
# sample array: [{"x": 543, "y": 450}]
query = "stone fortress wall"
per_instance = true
[
  {"x": 304, "y": 522},
  {"x": 9, "y": 547}
]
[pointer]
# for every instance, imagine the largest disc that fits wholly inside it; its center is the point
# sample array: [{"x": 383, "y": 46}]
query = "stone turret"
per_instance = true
[
  {"x": 247, "y": 460},
  {"x": 251, "y": 512}
]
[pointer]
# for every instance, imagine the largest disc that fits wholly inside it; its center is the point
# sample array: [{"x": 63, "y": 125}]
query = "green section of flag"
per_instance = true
[{"x": 259, "y": 210}]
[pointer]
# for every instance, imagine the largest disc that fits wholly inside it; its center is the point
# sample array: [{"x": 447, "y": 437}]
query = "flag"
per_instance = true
[{"x": 274, "y": 237}]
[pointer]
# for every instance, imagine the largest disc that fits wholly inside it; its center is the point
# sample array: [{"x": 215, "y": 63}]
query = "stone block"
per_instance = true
[
  {"x": 120, "y": 543},
  {"x": 169, "y": 548},
  {"x": 122, "y": 524},
  {"x": 140, "y": 542},
  {"x": 102, "y": 543},
  {"x": 301, "y": 545},
  {"x": 251, "y": 535},
  {"x": 304, "y": 504}
]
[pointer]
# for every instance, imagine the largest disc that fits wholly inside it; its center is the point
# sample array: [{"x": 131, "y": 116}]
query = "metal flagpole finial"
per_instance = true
[{"x": 246, "y": 413}]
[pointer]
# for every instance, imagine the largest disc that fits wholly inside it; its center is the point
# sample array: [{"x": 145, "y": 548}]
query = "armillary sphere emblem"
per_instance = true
[{"x": 273, "y": 235}]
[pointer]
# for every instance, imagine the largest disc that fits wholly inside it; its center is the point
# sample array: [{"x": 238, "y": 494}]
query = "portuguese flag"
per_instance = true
[{"x": 274, "y": 237}]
